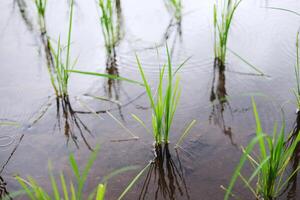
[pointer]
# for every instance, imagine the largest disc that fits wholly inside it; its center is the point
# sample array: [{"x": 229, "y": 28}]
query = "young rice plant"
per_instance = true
[
  {"x": 108, "y": 25},
  {"x": 60, "y": 77},
  {"x": 270, "y": 166},
  {"x": 70, "y": 191},
  {"x": 223, "y": 15}
]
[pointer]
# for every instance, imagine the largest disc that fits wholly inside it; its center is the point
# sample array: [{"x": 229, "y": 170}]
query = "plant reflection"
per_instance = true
[
  {"x": 4, "y": 194},
  {"x": 292, "y": 185},
  {"x": 218, "y": 98},
  {"x": 22, "y": 7},
  {"x": 3, "y": 191},
  {"x": 165, "y": 177},
  {"x": 68, "y": 121}
]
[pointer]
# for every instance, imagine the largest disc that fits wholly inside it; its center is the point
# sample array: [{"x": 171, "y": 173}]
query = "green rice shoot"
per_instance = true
[
  {"x": 223, "y": 14},
  {"x": 163, "y": 101},
  {"x": 108, "y": 24},
  {"x": 41, "y": 9},
  {"x": 60, "y": 76}
]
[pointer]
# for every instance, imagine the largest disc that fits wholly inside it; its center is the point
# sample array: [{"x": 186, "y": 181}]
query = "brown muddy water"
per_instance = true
[{"x": 264, "y": 37}]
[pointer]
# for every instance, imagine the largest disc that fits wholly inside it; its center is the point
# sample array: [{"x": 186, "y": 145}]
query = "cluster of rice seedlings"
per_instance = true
[
  {"x": 223, "y": 15},
  {"x": 68, "y": 189},
  {"x": 163, "y": 102},
  {"x": 108, "y": 25},
  {"x": 175, "y": 6},
  {"x": 270, "y": 166}
]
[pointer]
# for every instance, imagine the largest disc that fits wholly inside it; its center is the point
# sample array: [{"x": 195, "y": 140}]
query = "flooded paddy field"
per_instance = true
[{"x": 38, "y": 126}]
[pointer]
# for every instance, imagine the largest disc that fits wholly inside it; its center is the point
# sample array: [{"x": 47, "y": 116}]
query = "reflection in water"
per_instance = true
[
  {"x": 165, "y": 176},
  {"x": 120, "y": 21},
  {"x": 292, "y": 185},
  {"x": 3, "y": 190},
  {"x": 172, "y": 35},
  {"x": 3, "y": 186},
  {"x": 218, "y": 98},
  {"x": 174, "y": 28},
  {"x": 69, "y": 121},
  {"x": 175, "y": 9},
  {"x": 112, "y": 88},
  {"x": 22, "y": 7}
]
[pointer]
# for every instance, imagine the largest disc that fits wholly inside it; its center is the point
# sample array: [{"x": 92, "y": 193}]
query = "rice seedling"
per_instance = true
[
  {"x": 163, "y": 102},
  {"x": 165, "y": 105},
  {"x": 41, "y": 10},
  {"x": 71, "y": 190},
  {"x": 60, "y": 75},
  {"x": 57, "y": 66},
  {"x": 223, "y": 14},
  {"x": 109, "y": 25},
  {"x": 271, "y": 165},
  {"x": 175, "y": 7}
]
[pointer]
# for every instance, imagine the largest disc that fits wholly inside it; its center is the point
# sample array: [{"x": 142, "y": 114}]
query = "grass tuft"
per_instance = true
[
  {"x": 223, "y": 14},
  {"x": 166, "y": 101},
  {"x": 69, "y": 190},
  {"x": 108, "y": 24},
  {"x": 61, "y": 75},
  {"x": 270, "y": 166}
]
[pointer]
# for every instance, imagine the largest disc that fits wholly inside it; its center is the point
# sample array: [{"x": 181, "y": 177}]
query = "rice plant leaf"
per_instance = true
[
  {"x": 25, "y": 187},
  {"x": 185, "y": 133},
  {"x": 133, "y": 182},
  {"x": 140, "y": 121},
  {"x": 101, "y": 191},
  {"x": 237, "y": 171},
  {"x": 258, "y": 168},
  {"x": 116, "y": 77},
  {"x": 64, "y": 186},
  {"x": 73, "y": 193},
  {"x": 259, "y": 130},
  {"x": 74, "y": 166},
  {"x": 119, "y": 171},
  {"x": 248, "y": 63},
  {"x": 89, "y": 164},
  {"x": 181, "y": 65},
  {"x": 54, "y": 187}
]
